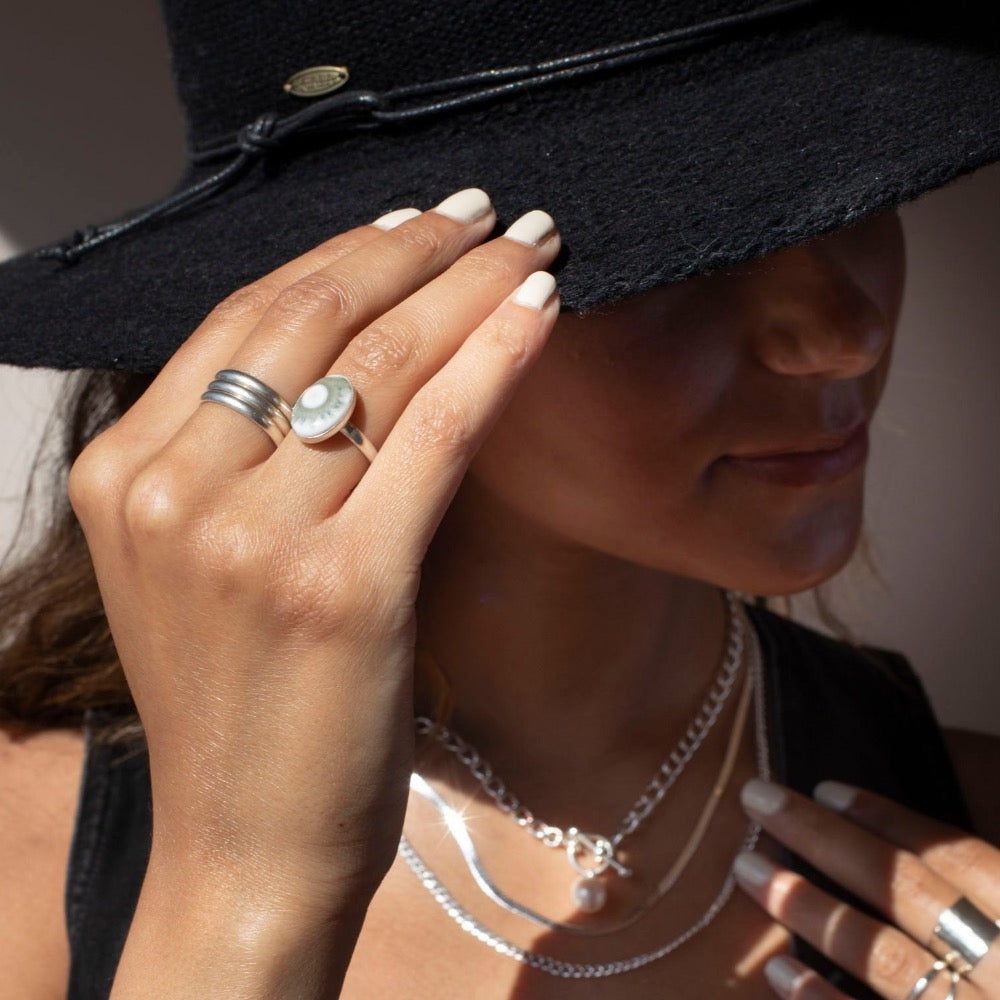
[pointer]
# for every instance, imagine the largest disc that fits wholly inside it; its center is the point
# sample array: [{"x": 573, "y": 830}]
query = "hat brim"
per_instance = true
[{"x": 654, "y": 175}]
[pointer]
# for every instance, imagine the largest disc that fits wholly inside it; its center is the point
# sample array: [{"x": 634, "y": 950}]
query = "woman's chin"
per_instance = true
[{"x": 809, "y": 557}]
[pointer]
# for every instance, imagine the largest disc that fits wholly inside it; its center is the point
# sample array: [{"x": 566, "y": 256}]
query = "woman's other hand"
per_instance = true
[
  {"x": 907, "y": 867},
  {"x": 262, "y": 598}
]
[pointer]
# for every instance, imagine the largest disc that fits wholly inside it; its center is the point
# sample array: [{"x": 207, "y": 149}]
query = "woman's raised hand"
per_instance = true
[
  {"x": 909, "y": 868},
  {"x": 262, "y": 598}
]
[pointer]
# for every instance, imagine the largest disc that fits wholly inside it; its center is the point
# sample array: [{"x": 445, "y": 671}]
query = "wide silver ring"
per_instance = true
[
  {"x": 325, "y": 409},
  {"x": 962, "y": 935},
  {"x": 252, "y": 398},
  {"x": 922, "y": 984}
]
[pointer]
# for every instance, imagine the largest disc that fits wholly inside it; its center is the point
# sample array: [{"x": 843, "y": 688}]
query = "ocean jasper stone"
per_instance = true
[{"x": 324, "y": 408}]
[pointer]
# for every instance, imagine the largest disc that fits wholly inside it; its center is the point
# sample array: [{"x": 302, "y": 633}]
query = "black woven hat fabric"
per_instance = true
[{"x": 729, "y": 145}]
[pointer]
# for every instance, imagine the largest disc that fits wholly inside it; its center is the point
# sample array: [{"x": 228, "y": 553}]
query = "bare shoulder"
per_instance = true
[
  {"x": 39, "y": 781},
  {"x": 976, "y": 757}
]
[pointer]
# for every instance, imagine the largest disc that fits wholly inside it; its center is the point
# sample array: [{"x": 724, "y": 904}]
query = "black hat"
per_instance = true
[{"x": 667, "y": 139}]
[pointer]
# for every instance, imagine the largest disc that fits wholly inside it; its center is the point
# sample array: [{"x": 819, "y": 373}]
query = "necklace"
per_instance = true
[
  {"x": 458, "y": 829},
  {"x": 575, "y": 970},
  {"x": 592, "y": 854}
]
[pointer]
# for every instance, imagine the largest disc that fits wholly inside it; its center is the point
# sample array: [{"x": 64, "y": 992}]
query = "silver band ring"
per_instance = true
[
  {"x": 962, "y": 935},
  {"x": 261, "y": 389},
  {"x": 253, "y": 399},
  {"x": 921, "y": 985},
  {"x": 324, "y": 409}
]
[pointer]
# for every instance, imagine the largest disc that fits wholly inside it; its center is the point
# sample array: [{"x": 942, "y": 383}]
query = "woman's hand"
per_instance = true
[
  {"x": 261, "y": 598},
  {"x": 908, "y": 867}
]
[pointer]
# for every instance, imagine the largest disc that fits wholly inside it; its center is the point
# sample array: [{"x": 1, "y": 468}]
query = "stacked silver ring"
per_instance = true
[
  {"x": 963, "y": 934},
  {"x": 251, "y": 397}
]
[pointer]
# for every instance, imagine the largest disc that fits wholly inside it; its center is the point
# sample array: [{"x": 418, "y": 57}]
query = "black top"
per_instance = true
[{"x": 833, "y": 711}]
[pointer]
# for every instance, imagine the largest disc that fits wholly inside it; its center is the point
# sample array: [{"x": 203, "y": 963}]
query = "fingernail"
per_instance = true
[
  {"x": 783, "y": 975},
  {"x": 536, "y": 290},
  {"x": 762, "y": 797},
  {"x": 835, "y": 795},
  {"x": 392, "y": 219},
  {"x": 753, "y": 869},
  {"x": 532, "y": 229},
  {"x": 465, "y": 206}
]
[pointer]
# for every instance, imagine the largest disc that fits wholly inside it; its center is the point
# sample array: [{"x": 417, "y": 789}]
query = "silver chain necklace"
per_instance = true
[
  {"x": 588, "y": 970},
  {"x": 592, "y": 854}
]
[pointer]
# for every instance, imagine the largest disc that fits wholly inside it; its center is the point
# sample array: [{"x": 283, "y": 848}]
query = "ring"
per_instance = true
[
  {"x": 324, "y": 409},
  {"x": 920, "y": 986},
  {"x": 962, "y": 935},
  {"x": 253, "y": 399}
]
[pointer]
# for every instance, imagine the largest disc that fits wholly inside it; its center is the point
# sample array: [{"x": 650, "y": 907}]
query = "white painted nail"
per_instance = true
[
  {"x": 762, "y": 797},
  {"x": 835, "y": 795},
  {"x": 532, "y": 229},
  {"x": 392, "y": 219},
  {"x": 465, "y": 206},
  {"x": 783, "y": 975},
  {"x": 536, "y": 290},
  {"x": 753, "y": 869}
]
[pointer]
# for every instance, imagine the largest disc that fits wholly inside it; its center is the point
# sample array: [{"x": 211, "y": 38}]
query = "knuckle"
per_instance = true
[
  {"x": 492, "y": 269},
  {"x": 246, "y": 304},
  {"x": 891, "y": 959},
  {"x": 157, "y": 505},
  {"x": 96, "y": 477},
  {"x": 507, "y": 336},
  {"x": 910, "y": 880},
  {"x": 316, "y": 294},
  {"x": 421, "y": 242},
  {"x": 442, "y": 422},
  {"x": 381, "y": 349}
]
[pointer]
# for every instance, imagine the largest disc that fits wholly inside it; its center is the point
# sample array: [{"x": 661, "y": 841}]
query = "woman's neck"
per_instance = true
[{"x": 556, "y": 648}]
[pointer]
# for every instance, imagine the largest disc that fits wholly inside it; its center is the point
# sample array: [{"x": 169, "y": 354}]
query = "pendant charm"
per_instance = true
[
  {"x": 589, "y": 894},
  {"x": 591, "y": 855}
]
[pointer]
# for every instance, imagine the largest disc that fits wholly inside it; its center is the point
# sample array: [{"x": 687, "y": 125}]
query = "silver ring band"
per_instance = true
[
  {"x": 324, "y": 409},
  {"x": 261, "y": 389},
  {"x": 253, "y": 399},
  {"x": 921, "y": 985},
  {"x": 962, "y": 935}
]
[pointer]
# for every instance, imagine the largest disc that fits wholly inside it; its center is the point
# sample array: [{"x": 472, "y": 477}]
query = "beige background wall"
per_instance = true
[{"x": 88, "y": 128}]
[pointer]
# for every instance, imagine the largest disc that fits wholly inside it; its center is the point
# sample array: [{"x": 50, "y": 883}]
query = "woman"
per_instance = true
[{"x": 532, "y": 519}]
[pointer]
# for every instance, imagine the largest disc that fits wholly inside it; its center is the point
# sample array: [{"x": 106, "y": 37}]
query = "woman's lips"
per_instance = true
[{"x": 806, "y": 468}]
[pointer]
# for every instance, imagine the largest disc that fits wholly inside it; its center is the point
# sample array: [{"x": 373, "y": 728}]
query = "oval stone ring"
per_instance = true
[{"x": 325, "y": 409}]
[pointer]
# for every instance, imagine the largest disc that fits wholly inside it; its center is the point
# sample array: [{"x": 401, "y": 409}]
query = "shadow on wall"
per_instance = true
[{"x": 61, "y": 167}]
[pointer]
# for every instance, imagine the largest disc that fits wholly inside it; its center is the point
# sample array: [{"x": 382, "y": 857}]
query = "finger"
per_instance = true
[
  {"x": 313, "y": 320},
  {"x": 402, "y": 350},
  {"x": 880, "y": 955},
  {"x": 176, "y": 391},
  {"x": 405, "y": 493},
  {"x": 892, "y": 879},
  {"x": 968, "y": 863},
  {"x": 792, "y": 980}
]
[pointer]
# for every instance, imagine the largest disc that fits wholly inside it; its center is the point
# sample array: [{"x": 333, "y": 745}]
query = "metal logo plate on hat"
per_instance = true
[{"x": 315, "y": 81}]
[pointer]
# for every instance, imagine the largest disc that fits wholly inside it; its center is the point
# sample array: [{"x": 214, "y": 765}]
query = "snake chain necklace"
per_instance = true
[{"x": 573, "y": 970}]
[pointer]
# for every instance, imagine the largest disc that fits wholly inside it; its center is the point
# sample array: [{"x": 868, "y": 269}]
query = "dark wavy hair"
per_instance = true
[{"x": 57, "y": 657}]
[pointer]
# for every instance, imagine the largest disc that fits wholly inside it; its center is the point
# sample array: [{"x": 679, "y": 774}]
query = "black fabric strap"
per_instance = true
[{"x": 361, "y": 109}]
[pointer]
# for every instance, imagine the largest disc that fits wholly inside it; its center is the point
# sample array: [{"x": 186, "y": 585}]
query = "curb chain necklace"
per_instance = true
[
  {"x": 575, "y": 970},
  {"x": 592, "y": 854}
]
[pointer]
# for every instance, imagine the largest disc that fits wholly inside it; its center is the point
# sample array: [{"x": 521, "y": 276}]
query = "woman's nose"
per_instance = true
[{"x": 815, "y": 319}]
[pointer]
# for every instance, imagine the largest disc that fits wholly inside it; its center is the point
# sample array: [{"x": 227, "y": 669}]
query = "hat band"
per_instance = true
[{"x": 356, "y": 110}]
